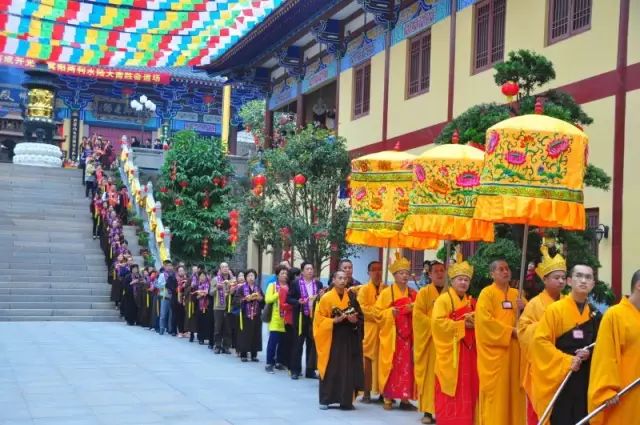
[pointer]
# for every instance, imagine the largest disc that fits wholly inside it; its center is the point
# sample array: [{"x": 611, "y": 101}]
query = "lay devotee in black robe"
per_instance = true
[
  {"x": 204, "y": 312},
  {"x": 144, "y": 300},
  {"x": 129, "y": 283},
  {"x": 338, "y": 332},
  {"x": 190, "y": 303},
  {"x": 250, "y": 300}
]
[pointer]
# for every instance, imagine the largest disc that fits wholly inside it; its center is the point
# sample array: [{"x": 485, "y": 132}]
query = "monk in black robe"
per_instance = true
[
  {"x": 250, "y": 301},
  {"x": 338, "y": 331}
]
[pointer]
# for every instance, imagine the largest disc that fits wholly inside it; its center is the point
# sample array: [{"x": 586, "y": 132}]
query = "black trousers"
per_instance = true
[
  {"x": 96, "y": 226},
  {"x": 303, "y": 338},
  {"x": 221, "y": 329}
]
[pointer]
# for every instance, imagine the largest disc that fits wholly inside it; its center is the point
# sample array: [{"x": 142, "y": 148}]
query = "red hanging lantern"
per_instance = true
[
  {"x": 219, "y": 223},
  {"x": 539, "y": 107},
  {"x": 455, "y": 138},
  {"x": 164, "y": 189},
  {"x": 205, "y": 247},
  {"x": 510, "y": 89},
  {"x": 174, "y": 172},
  {"x": 178, "y": 202},
  {"x": 184, "y": 184},
  {"x": 299, "y": 180},
  {"x": 223, "y": 182},
  {"x": 234, "y": 213},
  {"x": 259, "y": 180},
  {"x": 205, "y": 202},
  {"x": 162, "y": 235},
  {"x": 216, "y": 181},
  {"x": 207, "y": 99}
]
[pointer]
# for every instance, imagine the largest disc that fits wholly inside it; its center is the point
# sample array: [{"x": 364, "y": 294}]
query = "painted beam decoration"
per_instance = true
[{"x": 149, "y": 33}]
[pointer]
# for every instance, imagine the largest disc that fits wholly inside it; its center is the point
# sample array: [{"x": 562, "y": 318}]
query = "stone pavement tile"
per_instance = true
[
  {"x": 44, "y": 411},
  {"x": 165, "y": 396},
  {"x": 53, "y": 400},
  {"x": 173, "y": 410},
  {"x": 46, "y": 388},
  {"x": 14, "y": 410},
  {"x": 24, "y": 421},
  {"x": 86, "y": 420},
  {"x": 185, "y": 420},
  {"x": 108, "y": 398},
  {"x": 267, "y": 421}
]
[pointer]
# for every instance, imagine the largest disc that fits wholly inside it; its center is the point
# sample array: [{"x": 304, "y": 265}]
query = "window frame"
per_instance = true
[
  {"x": 421, "y": 36},
  {"x": 356, "y": 69},
  {"x": 478, "y": 69},
  {"x": 570, "y": 31}
]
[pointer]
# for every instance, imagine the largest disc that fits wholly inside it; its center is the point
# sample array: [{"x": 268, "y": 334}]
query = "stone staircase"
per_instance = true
[{"x": 50, "y": 267}]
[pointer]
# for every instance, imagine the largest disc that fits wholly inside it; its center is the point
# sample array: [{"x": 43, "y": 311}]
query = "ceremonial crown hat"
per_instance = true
[
  {"x": 400, "y": 263},
  {"x": 550, "y": 264},
  {"x": 460, "y": 268}
]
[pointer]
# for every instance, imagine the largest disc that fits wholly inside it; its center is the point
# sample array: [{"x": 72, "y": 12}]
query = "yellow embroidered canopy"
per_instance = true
[
  {"x": 443, "y": 198},
  {"x": 534, "y": 172},
  {"x": 380, "y": 186}
]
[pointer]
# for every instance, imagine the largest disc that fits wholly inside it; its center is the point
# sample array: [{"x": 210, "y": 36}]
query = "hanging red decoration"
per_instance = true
[
  {"x": 184, "y": 184},
  {"x": 216, "y": 181},
  {"x": 205, "y": 247},
  {"x": 164, "y": 189},
  {"x": 233, "y": 226},
  {"x": 510, "y": 89},
  {"x": 223, "y": 182},
  {"x": 207, "y": 99},
  {"x": 539, "y": 107},
  {"x": 205, "y": 202},
  {"x": 299, "y": 180},
  {"x": 219, "y": 223},
  {"x": 455, "y": 138},
  {"x": 259, "y": 180},
  {"x": 165, "y": 147},
  {"x": 174, "y": 171},
  {"x": 162, "y": 235},
  {"x": 178, "y": 202}
]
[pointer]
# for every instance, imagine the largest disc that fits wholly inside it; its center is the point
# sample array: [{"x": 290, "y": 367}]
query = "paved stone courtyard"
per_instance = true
[{"x": 76, "y": 373}]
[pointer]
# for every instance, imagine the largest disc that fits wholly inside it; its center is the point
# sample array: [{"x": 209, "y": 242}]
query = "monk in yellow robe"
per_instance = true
[
  {"x": 424, "y": 352},
  {"x": 367, "y": 297},
  {"x": 337, "y": 332},
  {"x": 616, "y": 362},
  {"x": 502, "y": 399},
  {"x": 395, "y": 357},
  {"x": 452, "y": 323},
  {"x": 566, "y": 328},
  {"x": 553, "y": 272}
]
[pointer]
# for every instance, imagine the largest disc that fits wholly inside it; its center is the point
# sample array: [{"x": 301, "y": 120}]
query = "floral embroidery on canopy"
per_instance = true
[
  {"x": 443, "y": 196},
  {"x": 380, "y": 184},
  {"x": 534, "y": 173}
]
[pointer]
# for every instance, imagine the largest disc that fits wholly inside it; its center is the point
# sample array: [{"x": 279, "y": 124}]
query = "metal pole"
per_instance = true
[
  {"x": 603, "y": 406},
  {"x": 386, "y": 266},
  {"x": 523, "y": 260},
  {"x": 547, "y": 411},
  {"x": 447, "y": 260}
]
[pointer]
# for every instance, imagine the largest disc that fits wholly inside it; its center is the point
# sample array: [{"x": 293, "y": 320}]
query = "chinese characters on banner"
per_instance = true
[
  {"x": 143, "y": 77},
  {"x": 75, "y": 134}
]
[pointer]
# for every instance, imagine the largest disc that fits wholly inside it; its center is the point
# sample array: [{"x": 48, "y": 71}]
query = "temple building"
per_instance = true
[{"x": 382, "y": 72}]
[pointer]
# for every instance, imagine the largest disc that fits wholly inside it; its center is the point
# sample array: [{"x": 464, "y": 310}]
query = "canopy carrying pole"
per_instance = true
[{"x": 603, "y": 406}]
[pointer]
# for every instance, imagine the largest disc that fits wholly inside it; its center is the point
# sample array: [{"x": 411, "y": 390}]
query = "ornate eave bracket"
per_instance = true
[
  {"x": 291, "y": 60},
  {"x": 385, "y": 12},
  {"x": 329, "y": 33}
]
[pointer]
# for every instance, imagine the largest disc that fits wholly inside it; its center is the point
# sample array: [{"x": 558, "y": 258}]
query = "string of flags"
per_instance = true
[{"x": 153, "y": 33}]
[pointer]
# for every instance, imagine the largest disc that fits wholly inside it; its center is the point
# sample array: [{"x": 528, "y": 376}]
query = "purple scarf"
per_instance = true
[
  {"x": 203, "y": 302},
  {"x": 220, "y": 279},
  {"x": 305, "y": 295},
  {"x": 250, "y": 307}
]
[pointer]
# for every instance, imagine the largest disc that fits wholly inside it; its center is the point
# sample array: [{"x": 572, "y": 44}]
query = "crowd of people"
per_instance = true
[{"x": 497, "y": 359}]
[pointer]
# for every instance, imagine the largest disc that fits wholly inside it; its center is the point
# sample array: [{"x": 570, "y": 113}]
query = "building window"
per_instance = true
[
  {"x": 416, "y": 258},
  {"x": 489, "y": 33},
  {"x": 567, "y": 18},
  {"x": 593, "y": 221},
  {"x": 419, "y": 64},
  {"x": 361, "y": 90}
]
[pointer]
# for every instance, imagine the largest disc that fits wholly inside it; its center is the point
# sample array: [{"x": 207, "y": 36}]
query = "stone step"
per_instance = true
[
  {"x": 56, "y": 305},
  {"x": 54, "y": 269},
  {"x": 100, "y": 272},
  {"x": 54, "y": 280},
  {"x": 55, "y": 298},
  {"x": 106, "y": 291},
  {"x": 57, "y": 312},
  {"x": 54, "y": 285},
  {"x": 70, "y": 260},
  {"x": 115, "y": 318}
]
